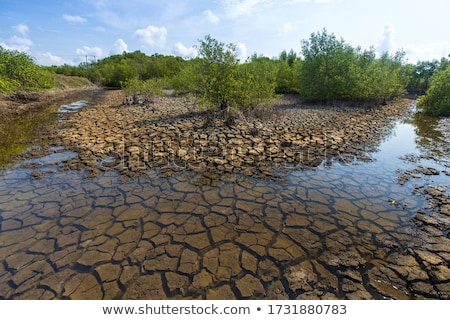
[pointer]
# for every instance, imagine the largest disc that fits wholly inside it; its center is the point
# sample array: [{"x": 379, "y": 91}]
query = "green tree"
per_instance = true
[
  {"x": 18, "y": 71},
  {"x": 223, "y": 83},
  {"x": 436, "y": 102},
  {"x": 334, "y": 70},
  {"x": 287, "y": 75},
  {"x": 256, "y": 83},
  {"x": 327, "y": 71},
  {"x": 137, "y": 91},
  {"x": 217, "y": 74}
]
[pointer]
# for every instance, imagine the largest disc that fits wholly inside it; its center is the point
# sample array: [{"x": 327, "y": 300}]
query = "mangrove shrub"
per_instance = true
[
  {"x": 436, "y": 102},
  {"x": 19, "y": 72}
]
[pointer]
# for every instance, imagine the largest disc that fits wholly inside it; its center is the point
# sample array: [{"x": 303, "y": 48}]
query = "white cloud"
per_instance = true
[
  {"x": 211, "y": 16},
  {"x": 242, "y": 8},
  {"x": 90, "y": 53},
  {"x": 287, "y": 28},
  {"x": 238, "y": 8},
  {"x": 386, "y": 40},
  {"x": 242, "y": 51},
  {"x": 119, "y": 47},
  {"x": 151, "y": 35},
  {"x": 75, "y": 19},
  {"x": 426, "y": 52},
  {"x": 22, "y": 44},
  {"x": 22, "y": 29},
  {"x": 18, "y": 42},
  {"x": 48, "y": 59},
  {"x": 183, "y": 51}
]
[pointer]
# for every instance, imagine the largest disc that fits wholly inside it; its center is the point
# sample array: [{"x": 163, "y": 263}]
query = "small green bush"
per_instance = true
[
  {"x": 138, "y": 91},
  {"x": 436, "y": 102},
  {"x": 18, "y": 72}
]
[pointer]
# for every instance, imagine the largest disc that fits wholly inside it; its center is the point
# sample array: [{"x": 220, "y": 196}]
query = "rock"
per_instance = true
[
  {"x": 221, "y": 293},
  {"x": 93, "y": 257},
  {"x": 83, "y": 286},
  {"x": 202, "y": 280},
  {"x": 176, "y": 283},
  {"x": 145, "y": 287},
  {"x": 250, "y": 287},
  {"x": 387, "y": 283},
  {"x": 300, "y": 278}
]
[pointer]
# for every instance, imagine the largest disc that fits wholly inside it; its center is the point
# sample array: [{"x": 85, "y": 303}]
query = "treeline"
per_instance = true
[
  {"x": 326, "y": 69},
  {"x": 114, "y": 70}
]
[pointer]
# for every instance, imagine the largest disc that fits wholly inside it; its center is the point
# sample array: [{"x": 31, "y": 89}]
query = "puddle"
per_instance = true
[
  {"x": 52, "y": 159},
  {"x": 72, "y": 107}
]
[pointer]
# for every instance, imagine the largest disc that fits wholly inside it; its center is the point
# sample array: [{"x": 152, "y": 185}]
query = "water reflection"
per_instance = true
[{"x": 429, "y": 139}]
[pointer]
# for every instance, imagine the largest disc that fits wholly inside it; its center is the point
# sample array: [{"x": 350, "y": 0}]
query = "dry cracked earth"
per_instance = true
[{"x": 134, "y": 213}]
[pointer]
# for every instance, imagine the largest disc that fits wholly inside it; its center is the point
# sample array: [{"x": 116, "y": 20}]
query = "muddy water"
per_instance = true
[{"x": 341, "y": 230}]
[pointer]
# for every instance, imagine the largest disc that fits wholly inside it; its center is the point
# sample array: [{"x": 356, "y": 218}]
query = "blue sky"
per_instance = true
[{"x": 58, "y": 32}]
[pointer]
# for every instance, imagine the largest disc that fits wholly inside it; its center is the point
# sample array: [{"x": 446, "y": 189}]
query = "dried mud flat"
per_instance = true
[{"x": 156, "y": 206}]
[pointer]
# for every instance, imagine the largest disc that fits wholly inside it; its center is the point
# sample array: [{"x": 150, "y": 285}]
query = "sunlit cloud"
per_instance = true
[
  {"x": 287, "y": 28},
  {"x": 242, "y": 51},
  {"x": 119, "y": 47},
  {"x": 22, "y": 44},
  {"x": 22, "y": 29},
  {"x": 211, "y": 17},
  {"x": 239, "y": 8},
  {"x": 183, "y": 51},
  {"x": 151, "y": 36},
  {"x": 89, "y": 52},
  {"x": 386, "y": 40},
  {"x": 426, "y": 52},
  {"x": 48, "y": 59},
  {"x": 74, "y": 19}
]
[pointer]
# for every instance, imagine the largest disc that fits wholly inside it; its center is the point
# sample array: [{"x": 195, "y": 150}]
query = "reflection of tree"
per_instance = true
[{"x": 430, "y": 139}]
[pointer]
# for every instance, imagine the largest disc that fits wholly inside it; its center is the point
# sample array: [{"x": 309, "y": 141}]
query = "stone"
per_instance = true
[
  {"x": 108, "y": 272},
  {"x": 145, "y": 287},
  {"x": 176, "y": 283},
  {"x": 300, "y": 278},
  {"x": 93, "y": 257},
  {"x": 250, "y": 287},
  {"x": 268, "y": 271},
  {"x": 128, "y": 274},
  {"x": 111, "y": 291},
  {"x": 284, "y": 250},
  {"x": 82, "y": 286},
  {"x": 276, "y": 291},
  {"x": 161, "y": 263},
  {"x": 428, "y": 258},
  {"x": 249, "y": 262},
  {"x": 199, "y": 241},
  {"x": 223, "y": 292},
  {"x": 440, "y": 273},
  {"x": 8, "y": 238},
  {"x": 26, "y": 277},
  {"x": 387, "y": 284},
  {"x": 18, "y": 260},
  {"x": 229, "y": 262},
  {"x": 202, "y": 280},
  {"x": 189, "y": 262}
]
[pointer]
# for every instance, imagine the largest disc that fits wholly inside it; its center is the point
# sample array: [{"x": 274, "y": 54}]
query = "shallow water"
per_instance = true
[{"x": 197, "y": 235}]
